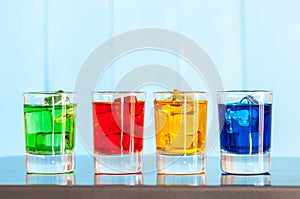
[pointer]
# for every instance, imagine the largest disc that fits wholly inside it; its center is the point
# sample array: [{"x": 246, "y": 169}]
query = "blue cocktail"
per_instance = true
[{"x": 245, "y": 131}]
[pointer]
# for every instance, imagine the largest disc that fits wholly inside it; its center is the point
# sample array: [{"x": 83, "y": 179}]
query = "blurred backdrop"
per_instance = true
[{"x": 254, "y": 44}]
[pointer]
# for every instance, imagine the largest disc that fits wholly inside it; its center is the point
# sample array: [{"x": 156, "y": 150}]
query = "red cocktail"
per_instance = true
[{"x": 118, "y": 122}]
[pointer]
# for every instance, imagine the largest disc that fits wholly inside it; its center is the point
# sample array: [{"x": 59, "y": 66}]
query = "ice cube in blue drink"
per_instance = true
[
  {"x": 241, "y": 117},
  {"x": 249, "y": 99},
  {"x": 244, "y": 117}
]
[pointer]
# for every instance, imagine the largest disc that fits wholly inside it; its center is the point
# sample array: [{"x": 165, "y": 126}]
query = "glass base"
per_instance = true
[
  {"x": 245, "y": 164},
  {"x": 180, "y": 164},
  {"x": 62, "y": 163},
  {"x": 114, "y": 164}
]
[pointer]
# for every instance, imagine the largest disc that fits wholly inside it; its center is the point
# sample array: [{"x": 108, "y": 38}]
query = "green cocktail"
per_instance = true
[
  {"x": 49, "y": 129},
  {"x": 50, "y": 124}
]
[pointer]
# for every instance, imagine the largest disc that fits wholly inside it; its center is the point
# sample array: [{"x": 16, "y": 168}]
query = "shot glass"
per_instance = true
[
  {"x": 118, "y": 121},
  {"x": 245, "y": 131},
  {"x": 180, "y": 124},
  {"x": 190, "y": 180},
  {"x": 50, "y": 124},
  {"x": 123, "y": 179}
]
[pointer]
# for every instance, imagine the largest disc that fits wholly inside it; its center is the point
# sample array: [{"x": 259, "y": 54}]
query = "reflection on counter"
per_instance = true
[
  {"x": 50, "y": 179},
  {"x": 246, "y": 180},
  {"x": 192, "y": 180},
  {"x": 113, "y": 179}
]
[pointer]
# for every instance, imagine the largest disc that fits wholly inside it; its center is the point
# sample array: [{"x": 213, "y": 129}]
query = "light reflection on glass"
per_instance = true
[
  {"x": 246, "y": 180},
  {"x": 124, "y": 179},
  {"x": 50, "y": 179},
  {"x": 192, "y": 180}
]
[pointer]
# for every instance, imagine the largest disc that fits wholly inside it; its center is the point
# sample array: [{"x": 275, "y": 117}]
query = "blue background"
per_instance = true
[{"x": 254, "y": 44}]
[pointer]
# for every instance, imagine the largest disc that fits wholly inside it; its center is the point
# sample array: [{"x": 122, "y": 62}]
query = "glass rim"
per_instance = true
[
  {"x": 118, "y": 92},
  {"x": 246, "y": 91},
  {"x": 48, "y": 93},
  {"x": 181, "y": 92}
]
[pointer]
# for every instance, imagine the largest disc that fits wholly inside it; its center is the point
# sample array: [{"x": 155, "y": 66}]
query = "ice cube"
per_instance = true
[
  {"x": 65, "y": 115},
  {"x": 184, "y": 107},
  {"x": 241, "y": 117},
  {"x": 126, "y": 99},
  {"x": 58, "y": 99},
  {"x": 180, "y": 100},
  {"x": 183, "y": 134},
  {"x": 124, "y": 111},
  {"x": 178, "y": 97},
  {"x": 125, "y": 106},
  {"x": 249, "y": 99}
]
